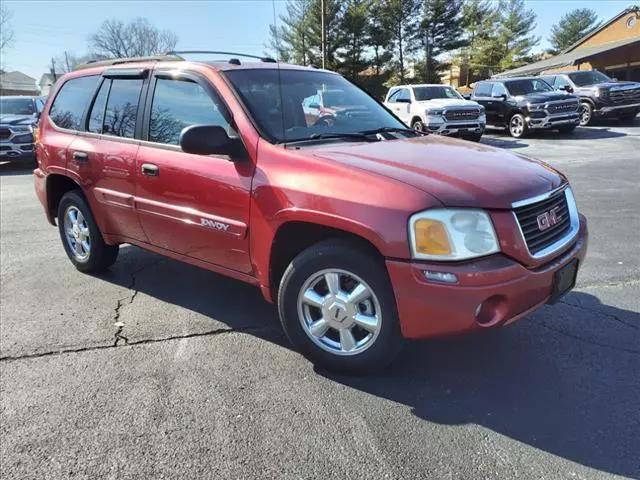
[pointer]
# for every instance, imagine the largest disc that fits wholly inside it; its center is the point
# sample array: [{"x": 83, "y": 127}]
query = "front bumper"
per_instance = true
[
  {"x": 16, "y": 151},
  {"x": 441, "y": 126},
  {"x": 605, "y": 110},
  {"x": 506, "y": 289},
  {"x": 554, "y": 121}
]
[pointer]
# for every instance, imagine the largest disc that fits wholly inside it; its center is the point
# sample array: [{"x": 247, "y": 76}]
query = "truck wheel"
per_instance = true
[
  {"x": 518, "y": 127},
  {"x": 586, "y": 114},
  {"x": 338, "y": 309},
  {"x": 81, "y": 237},
  {"x": 417, "y": 125}
]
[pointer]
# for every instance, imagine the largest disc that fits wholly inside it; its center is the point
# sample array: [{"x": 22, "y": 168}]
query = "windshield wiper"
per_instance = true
[
  {"x": 392, "y": 130},
  {"x": 356, "y": 136}
]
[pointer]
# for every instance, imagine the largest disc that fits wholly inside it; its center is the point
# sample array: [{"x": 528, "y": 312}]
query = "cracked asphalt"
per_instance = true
[{"x": 157, "y": 369}]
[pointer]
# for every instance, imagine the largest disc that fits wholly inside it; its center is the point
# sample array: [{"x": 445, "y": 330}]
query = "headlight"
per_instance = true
[
  {"x": 452, "y": 234},
  {"x": 435, "y": 111},
  {"x": 535, "y": 106}
]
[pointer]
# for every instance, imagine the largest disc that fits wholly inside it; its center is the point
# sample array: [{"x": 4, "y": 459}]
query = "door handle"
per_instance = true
[
  {"x": 150, "y": 170},
  {"x": 81, "y": 157}
]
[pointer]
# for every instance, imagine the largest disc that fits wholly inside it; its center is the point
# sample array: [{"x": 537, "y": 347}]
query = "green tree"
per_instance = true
[
  {"x": 334, "y": 39},
  {"x": 514, "y": 40},
  {"x": 400, "y": 18},
  {"x": 355, "y": 33},
  {"x": 479, "y": 19},
  {"x": 439, "y": 32},
  {"x": 571, "y": 28},
  {"x": 291, "y": 40}
]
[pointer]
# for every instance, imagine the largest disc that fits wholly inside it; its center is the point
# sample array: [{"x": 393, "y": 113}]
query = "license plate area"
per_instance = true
[{"x": 563, "y": 281}]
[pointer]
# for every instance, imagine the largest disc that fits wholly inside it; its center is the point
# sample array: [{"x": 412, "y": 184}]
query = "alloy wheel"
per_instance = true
[
  {"x": 585, "y": 114},
  {"x": 339, "y": 312},
  {"x": 77, "y": 233},
  {"x": 516, "y": 126}
]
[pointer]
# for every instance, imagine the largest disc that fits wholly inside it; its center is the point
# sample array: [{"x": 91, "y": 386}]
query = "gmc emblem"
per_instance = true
[{"x": 548, "y": 219}]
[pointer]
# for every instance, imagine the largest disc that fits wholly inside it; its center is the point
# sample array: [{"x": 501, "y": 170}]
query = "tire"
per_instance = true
[
  {"x": 518, "y": 127},
  {"x": 417, "y": 125},
  {"x": 92, "y": 255},
  {"x": 567, "y": 129},
  {"x": 586, "y": 114},
  {"x": 473, "y": 138},
  {"x": 368, "y": 349}
]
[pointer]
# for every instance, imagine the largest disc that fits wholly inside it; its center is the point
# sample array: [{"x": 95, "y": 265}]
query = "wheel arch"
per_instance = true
[
  {"x": 57, "y": 185},
  {"x": 294, "y": 236}
]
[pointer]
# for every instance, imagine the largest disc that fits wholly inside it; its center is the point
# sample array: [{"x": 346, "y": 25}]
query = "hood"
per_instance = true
[
  {"x": 11, "y": 119},
  {"x": 456, "y": 172},
  {"x": 612, "y": 85},
  {"x": 447, "y": 102},
  {"x": 542, "y": 97}
]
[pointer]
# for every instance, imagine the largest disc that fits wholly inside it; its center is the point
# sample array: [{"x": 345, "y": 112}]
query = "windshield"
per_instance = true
[
  {"x": 429, "y": 93},
  {"x": 583, "y": 79},
  {"x": 291, "y": 105},
  {"x": 16, "y": 106},
  {"x": 527, "y": 86}
]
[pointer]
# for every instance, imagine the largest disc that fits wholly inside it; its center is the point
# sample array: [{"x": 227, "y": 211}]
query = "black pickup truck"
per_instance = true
[
  {"x": 524, "y": 104},
  {"x": 600, "y": 96}
]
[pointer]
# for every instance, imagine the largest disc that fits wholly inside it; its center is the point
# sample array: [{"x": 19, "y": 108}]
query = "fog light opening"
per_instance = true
[
  {"x": 441, "y": 277},
  {"x": 492, "y": 311}
]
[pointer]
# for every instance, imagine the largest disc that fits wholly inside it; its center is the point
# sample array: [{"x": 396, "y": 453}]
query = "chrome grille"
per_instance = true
[
  {"x": 528, "y": 216},
  {"x": 621, "y": 97},
  {"x": 565, "y": 107},
  {"x": 471, "y": 114}
]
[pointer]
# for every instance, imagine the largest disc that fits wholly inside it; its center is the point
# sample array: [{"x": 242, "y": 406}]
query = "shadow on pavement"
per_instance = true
[
  {"x": 544, "y": 381},
  {"x": 535, "y": 382}
]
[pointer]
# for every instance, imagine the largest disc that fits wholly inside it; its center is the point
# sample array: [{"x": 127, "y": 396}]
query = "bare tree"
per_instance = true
[
  {"x": 6, "y": 32},
  {"x": 137, "y": 38}
]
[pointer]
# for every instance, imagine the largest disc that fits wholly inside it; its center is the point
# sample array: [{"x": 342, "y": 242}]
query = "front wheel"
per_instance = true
[
  {"x": 518, "y": 127},
  {"x": 338, "y": 309},
  {"x": 81, "y": 236},
  {"x": 417, "y": 125},
  {"x": 586, "y": 114}
]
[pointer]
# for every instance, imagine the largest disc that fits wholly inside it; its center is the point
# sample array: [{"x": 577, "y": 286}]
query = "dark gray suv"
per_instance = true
[
  {"x": 18, "y": 118},
  {"x": 600, "y": 96}
]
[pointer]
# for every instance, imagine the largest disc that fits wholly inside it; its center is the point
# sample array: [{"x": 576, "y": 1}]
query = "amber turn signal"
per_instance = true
[{"x": 431, "y": 237}]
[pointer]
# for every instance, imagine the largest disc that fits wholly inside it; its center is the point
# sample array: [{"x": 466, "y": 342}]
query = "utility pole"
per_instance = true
[{"x": 324, "y": 35}]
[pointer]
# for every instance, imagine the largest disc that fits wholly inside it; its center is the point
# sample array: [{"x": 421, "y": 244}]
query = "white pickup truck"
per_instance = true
[{"x": 437, "y": 109}]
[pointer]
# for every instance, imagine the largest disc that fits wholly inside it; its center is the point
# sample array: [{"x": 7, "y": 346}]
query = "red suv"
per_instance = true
[{"x": 364, "y": 232}]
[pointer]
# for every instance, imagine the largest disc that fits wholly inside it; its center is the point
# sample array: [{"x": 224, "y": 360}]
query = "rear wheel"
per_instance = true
[
  {"x": 81, "y": 237},
  {"x": 338, "y": 309},
  {"x": 518, "y": 127},
  {"x": 586, "y": 114}
]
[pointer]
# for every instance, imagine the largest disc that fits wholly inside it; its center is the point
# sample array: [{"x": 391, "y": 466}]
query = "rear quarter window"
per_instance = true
[{"x": 71, "y": 101}]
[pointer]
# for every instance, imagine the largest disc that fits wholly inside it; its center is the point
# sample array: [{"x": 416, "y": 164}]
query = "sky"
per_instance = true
[{"x": 44, "y": 29}]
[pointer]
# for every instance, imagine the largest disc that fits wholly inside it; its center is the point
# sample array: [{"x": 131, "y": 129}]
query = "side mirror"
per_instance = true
[
  {"x": 403, "y": 100},
  {"x": 614, "y": 79},
  {"x": 567, "y": 88},
  {"x": 314, "y": 106},
  {"x": 209, "y": 140}
]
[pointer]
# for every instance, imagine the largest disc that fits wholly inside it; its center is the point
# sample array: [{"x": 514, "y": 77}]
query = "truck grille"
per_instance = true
[
  {"x": 565, "y": 107},
  {"x": 530, "y": 217},
  {"x": 622, "y": 97},
  {"x": 462, "y": 114},
  {"x": 4, "y": 133}
]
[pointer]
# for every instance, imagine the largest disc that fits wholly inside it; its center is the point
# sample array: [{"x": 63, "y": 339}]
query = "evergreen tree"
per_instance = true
[
  {"x": 514, "y": 39},
  {"x": 355, "y": 33},
  {"x": 479, "y": 19},
  {"x": 571, "y": 28},
  {"x": 291, "y": 39},
  {"x": 334, "y": 39},
  {"x": 400, "y": 18},
  {"x": 440, "y": 31}
]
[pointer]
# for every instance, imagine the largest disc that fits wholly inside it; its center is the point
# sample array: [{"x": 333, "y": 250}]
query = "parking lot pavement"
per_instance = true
[{"x": 160, "y": 370}]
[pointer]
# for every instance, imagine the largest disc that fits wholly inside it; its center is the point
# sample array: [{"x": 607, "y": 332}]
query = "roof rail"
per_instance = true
[
  {"x": 205, "y": 52},
  {"x": 118, "y": 61}
]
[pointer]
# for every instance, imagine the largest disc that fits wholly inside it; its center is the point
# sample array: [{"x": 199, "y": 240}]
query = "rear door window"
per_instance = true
[
  {"x": 71, "y": 101},
  {"x": 96, "y": 117},
  {"x": 122, "y": 107}
]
